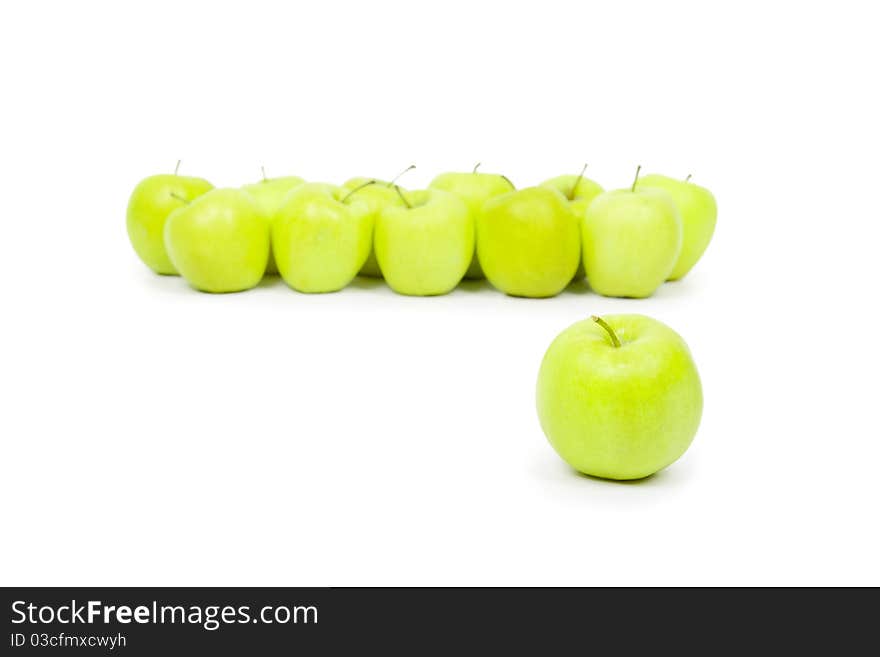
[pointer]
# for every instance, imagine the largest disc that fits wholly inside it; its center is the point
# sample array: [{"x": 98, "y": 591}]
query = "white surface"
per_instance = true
[{"x": 154, "y": 435}]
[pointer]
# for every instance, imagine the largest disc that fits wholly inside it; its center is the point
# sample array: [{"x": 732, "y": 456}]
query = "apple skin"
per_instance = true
[
  {"x": 219, "y": 242},
  {"x": 320, "y": 241},
  {"x": 528, "y": 242},
  {"x": 377, "y": 196},
  {"x": 580, "y": 193},
  {"x": 619, "y": 412},
  {"x": 269, "y": 194},
  {"x": 699, "y": 213},
  {"x": 474, "y": 188},
  {"x": 152, "y": 200},
  {"x": 425, "y": 249},
  {"x": 631, "y": 241}
]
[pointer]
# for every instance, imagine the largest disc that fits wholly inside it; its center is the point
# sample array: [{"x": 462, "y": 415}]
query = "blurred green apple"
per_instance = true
[
  {"x": 474, "y": 189},
  {"x": 619, "y": 397},
  {"x": 377, "y": 194},
  {"x": 631, "y": 240},
  {"x": 579, "y": 191},
  {"x": 151, "y": 202},
  {"x": 528, "y": 242},
  {"x": 269, "y": 194},
  {"x": 698, "y": 214},
  {"x": 321, "y": 236},
  {"x": 219, "y": 242},
  {"x": 425, "y": 245}
]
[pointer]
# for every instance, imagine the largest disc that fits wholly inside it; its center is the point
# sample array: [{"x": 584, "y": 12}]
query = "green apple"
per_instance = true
[
  {"x": 151, "y": 202},
  {"x": 631, "y": 240},
  {"x": 219, "y": 242},
  {"x": 528, "y": 242},
  {"x": 425, "y": 245},
  {"x": 269, "y": 194},
  {"x": 377, "y": 194},
  {"x": 321, "y": 236},
  {"x": 580, "y": 192},
  {"x": 619, "y": 397},
  {"x": 474, "y": 189},
  {"x": 698, "y": 214}
]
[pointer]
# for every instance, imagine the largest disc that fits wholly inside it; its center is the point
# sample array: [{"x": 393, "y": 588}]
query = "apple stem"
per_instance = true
[
  {"x": 263, "y": 169},
  {"x": 394, "y": 180},
  {"x": 180, "y": 198},
  {"x": 402, "y": 197},
  {"x": 688, "y": 179},
  {"x": 601, "y": 322},
  {"x": 507, "y": 180},
  {"x": 576, "y": 183},
  {"x": 357, "y": 189},
  {"x": 638, "y": 169},
  {"x": 476, "y": 166},
  {"x": 176, "y": 167}
]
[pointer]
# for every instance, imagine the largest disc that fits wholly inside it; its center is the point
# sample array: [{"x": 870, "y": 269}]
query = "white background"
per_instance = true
[{"x": 155, "y": 435}]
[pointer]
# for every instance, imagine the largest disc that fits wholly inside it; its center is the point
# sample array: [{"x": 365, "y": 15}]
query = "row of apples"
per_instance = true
[{"x": 529, "y": 242}]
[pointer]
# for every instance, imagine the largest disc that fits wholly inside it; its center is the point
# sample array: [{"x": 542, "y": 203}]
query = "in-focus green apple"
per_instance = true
[
  {"x": 619, "y": 397},
  {"x": 425, "y": 245},
  {"x": 219, "y": 242},
  {"x": 321, "y": 235},
  {"x": 528, "y": 242},
  {"x": 631, "y": 240},
  {"x": 579, "y": 191},
  {"x": 474, "y": 189},
  {"x": 151, "y": 202},
  {"x": 698, "y": 211},
  {"x": 377, "y": 196},
  {"x": 269, "y": 194}
]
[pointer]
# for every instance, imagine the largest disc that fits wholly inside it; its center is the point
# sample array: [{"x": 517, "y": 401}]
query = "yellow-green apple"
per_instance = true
[
  {"x": 321, "y": 235},
  {"x": 579, "y": 191},
  {"x": 377, "y": 196},
  {"x": 631, "y": 240},
  {"x": 528, "y": 242},
  {"x": 698, "y": 214},
  {"x": 151, "y": 202},
  {"x": 619, "y": 397},
  {"x": 219, "y": 242},
  {"x": 425, "y": 245},
  {"x": 474, "y": 189},
  {"x": 269, "y": 194}
]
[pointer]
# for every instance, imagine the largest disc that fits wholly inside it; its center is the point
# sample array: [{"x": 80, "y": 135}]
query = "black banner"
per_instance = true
[{"x": 276, "y": 621}]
